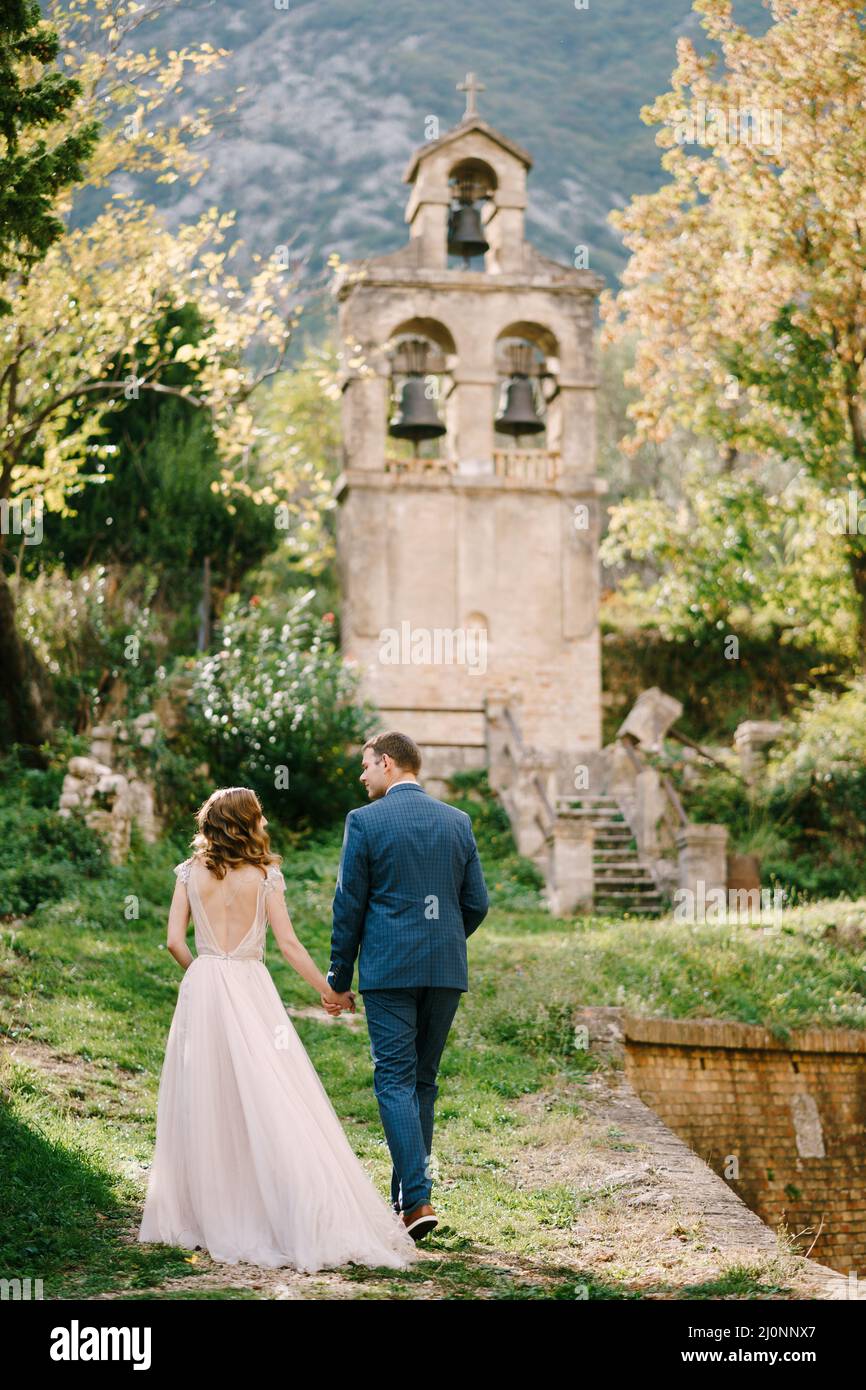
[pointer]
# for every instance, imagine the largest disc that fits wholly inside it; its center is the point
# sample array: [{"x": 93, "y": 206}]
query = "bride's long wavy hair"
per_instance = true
[{"x": 230, "y": 831}]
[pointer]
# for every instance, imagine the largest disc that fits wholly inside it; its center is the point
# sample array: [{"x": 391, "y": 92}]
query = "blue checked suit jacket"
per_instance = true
[{"x": 410, "y": 890}]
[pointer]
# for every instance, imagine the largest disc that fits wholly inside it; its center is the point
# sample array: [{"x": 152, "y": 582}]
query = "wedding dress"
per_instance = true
[{"x": 251, "y": 1162}]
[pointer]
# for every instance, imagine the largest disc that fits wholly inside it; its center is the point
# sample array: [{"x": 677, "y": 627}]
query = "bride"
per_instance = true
[{"x": 251, "y": 1161}]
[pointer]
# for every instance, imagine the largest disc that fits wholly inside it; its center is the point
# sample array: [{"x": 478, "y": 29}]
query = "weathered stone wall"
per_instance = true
[
  {"x": 792, "y": 1115},
  {"x": 460, "y": 557}
]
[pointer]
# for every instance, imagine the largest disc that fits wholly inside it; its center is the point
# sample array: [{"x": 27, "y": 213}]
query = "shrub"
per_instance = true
[
  {"x": 718, "y": 797},
  {"x": 807, "y": 815},
  {"x": 90, "y": 632},
  {"x": 824, "y": 744},
  {"x": 276, "y": 708},
  {"x": 42, "y": 854},
  {"x": 181, "y": 780}
]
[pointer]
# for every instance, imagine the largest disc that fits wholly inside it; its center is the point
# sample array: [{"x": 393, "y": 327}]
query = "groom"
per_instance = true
[{"x": 409, "y": 892}]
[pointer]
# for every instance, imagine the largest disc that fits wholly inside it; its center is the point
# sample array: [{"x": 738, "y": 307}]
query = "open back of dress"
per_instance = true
[{"x": 230, "y": 912}]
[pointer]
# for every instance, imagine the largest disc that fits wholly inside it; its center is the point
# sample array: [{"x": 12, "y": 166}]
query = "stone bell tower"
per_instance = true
[{"x": 468, "y": 525}]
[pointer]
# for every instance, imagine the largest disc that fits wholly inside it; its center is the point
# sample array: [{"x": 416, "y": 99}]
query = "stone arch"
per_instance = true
[
  {"x": 475, "y": 172},
  {"x": 434, "y": 330},
  {"x": 538, "y": 334}
]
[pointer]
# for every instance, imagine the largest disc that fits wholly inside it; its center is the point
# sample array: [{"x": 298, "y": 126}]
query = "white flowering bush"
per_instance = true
[{"x": 276, "y": 708}]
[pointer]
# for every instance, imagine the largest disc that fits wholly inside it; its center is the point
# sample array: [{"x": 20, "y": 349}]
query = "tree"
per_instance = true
[
  {"x": 32, "y": 97},
  {"x": 734, "y": 554},
  {"x": 155, "y": 504},
  {"x": 87, "y": 331},
  {"x": 744, "y": 286},
  {"x": 301, "y": 410},
  {"x": 100, "y": 293}
]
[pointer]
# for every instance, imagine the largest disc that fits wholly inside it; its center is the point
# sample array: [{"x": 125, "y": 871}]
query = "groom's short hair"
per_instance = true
[{"x": 400, "y": 747}]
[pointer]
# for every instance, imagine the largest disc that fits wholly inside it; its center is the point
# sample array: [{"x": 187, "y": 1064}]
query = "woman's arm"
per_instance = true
[
  {"x": 296, "y": 953},
  {"x": 178, "y": 922}
]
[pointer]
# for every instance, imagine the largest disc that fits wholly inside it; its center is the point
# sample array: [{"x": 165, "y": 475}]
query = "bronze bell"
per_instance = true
[
  {"x": 519, "y": 415},
  {"x": 465, "y": 234},
  {"x": 417, "y": 417}
]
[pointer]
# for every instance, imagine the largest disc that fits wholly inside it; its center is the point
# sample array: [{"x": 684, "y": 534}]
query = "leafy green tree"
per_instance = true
[
  {"x": 300, "y": 409},
  {"x": 33, "y": 97},
  {"x": 735, "y": 555},
  {"x": 154, "y": 499}
]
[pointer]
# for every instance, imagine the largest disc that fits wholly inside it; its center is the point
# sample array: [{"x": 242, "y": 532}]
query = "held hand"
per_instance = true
[{"x": 334, "y": 1003}]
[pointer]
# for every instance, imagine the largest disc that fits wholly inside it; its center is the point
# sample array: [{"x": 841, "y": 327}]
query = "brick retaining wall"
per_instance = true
[{"x": 792, "y": 1114}]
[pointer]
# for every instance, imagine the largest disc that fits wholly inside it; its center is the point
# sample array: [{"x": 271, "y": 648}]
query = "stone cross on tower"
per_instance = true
[{"x": 471, "y": 86}]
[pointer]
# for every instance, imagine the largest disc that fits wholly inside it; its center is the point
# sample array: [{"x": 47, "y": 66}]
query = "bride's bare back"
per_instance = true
[{"x": 233, "y": 905}]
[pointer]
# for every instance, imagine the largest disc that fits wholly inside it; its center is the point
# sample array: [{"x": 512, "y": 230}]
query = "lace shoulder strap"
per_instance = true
[
  {"x": 183, "y": 870},
  {"x": 274, "y": 881}
]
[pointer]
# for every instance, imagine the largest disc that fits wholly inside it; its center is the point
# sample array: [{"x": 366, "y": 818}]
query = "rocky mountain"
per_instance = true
[{"x": 337, "y": 93}]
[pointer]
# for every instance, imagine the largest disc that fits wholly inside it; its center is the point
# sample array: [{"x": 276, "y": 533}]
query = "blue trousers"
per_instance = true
[{"x": 408, "y": 1029}]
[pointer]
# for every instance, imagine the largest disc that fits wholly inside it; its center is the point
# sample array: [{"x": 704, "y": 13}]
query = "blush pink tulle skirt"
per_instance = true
[{"x": 251, "y": 1161}]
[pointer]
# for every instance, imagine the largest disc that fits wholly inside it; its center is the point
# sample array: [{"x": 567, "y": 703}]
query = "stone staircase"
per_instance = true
[
  {"x": 622, "y": 881},
  {"x": 626, "y": 847}
]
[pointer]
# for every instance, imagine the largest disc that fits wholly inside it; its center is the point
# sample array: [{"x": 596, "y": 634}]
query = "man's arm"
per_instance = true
[
  {"x": 474, "y": 901},
  {"x": 349, "y": 906}
]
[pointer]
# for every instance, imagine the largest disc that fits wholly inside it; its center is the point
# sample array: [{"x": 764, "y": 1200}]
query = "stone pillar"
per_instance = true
[
  {"x": 365, "y": 414},
  {"x": 702, "y": 853},
  {"x": 504, "y": 228},
  {"x": 571, "y": 876},
  {"x": 649, "y": 810},
  {"x": 524, "y": 805},
  {"x": 476, "y": 404},
  {"x": 618, "y": 778},
  {"x": 428, "y": 223}
]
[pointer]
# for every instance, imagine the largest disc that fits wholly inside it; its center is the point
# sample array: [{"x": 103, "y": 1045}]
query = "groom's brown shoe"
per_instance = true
[{"x": 420, "y": 1221}]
